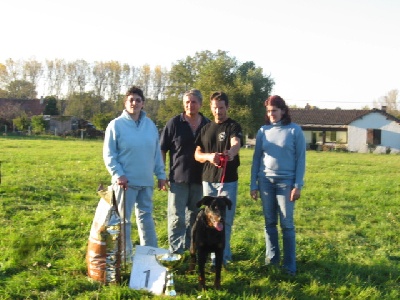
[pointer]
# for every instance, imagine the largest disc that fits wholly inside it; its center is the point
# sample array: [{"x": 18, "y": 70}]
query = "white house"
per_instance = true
[{"x": 355, "y": 130}]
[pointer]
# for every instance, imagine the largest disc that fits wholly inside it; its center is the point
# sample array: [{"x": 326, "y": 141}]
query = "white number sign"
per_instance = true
[{"x": 147, "y": 273}]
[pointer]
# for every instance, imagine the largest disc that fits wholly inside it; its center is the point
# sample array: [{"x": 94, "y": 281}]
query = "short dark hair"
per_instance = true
[
  {"x": 278, "y": 102},
  {"x": 135, "y": 90},
  {"x": 220, "y": 96}
]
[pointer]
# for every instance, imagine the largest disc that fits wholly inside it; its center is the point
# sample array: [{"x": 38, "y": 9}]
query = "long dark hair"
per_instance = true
[{"x": 278, "y": 102}]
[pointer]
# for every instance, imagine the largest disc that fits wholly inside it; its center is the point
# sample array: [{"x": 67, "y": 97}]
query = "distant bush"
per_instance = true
[
  {"x": 38, "y": 124},
  {"x": 101, "y": 120},
  {"x": 22, "y": 123}
]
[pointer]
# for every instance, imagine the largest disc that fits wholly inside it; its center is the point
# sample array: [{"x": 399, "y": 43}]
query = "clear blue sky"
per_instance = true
[{"x": 327, "y": 53}]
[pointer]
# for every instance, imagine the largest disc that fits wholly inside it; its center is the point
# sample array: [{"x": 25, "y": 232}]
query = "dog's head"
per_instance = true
[{"x": 215, "y": 208}]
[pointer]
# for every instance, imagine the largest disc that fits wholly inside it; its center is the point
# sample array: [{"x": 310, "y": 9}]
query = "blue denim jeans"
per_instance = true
[
  {"x": 275, "y": 198},
  {"x": 140, "y": 198},
  {"x": 229, "y": 190},
  {"x": 182, "y": 212}
]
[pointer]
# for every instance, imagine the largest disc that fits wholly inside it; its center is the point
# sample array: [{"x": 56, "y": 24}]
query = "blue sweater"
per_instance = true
[
  {"x": 280, "y": 152},
  {"x": 133, "y": 150}
]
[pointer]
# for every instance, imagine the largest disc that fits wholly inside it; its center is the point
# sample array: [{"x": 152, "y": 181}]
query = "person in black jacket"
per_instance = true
[{"x": 177, "y": 138}]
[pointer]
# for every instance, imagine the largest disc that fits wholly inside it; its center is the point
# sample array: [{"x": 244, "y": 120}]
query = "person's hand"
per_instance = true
[
  {"x": 162, "y": 185},
  {"x": 215, "y": 158},
  {"x": 123, "y": 182},
  {"x": 295, "y": 194},
  {"x": 254, "y": 194},
  {"x": 167, "y": 184}
]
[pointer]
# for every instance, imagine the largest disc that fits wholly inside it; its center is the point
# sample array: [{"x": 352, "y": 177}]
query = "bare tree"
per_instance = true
[
  {"x": 128, "y": 76},
  {"x": 82, "y": 72},
  {"x": 3, "y": 76},
  {"x": 77, "y": 72},
  {"x": 60, "y": 70},
  {"x": 55, "y": 75},
  {"x": 13, "y": 69},
  {"x": 99, "y": 73},
  {"x": 71, "y": 72},
  {"x": 50, "y": 77},
  {"x": 389, "y": 101},
  {"x": 159, "y": 79},
  {"x": 144, "y": 78},
  {"x": 32, "y": 71},
  {"x": 113, "y": 79}
]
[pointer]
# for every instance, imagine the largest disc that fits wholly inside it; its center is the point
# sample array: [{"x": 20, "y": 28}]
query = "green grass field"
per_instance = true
[{"x": 347, "y": 220}]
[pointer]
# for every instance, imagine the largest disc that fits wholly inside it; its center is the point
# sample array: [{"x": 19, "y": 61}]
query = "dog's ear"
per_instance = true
[
  {"x": 206, "y": 200},
  {"x": 228, "y": 203}
]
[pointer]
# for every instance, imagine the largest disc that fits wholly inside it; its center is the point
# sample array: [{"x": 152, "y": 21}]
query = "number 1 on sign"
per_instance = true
[{"x": 146, "y": 282}]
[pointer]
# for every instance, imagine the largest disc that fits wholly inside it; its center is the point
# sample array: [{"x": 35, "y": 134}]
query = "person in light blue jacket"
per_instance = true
[
  {"x": 132, "y": 156},
  {"x": 277, "y": 172}
]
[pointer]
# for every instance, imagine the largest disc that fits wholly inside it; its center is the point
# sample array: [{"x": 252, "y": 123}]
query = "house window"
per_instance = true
[
  {"x": 330, "y": 136},
  {"x": 339, "y": 137},
  {"x": 374, "y": 136}
]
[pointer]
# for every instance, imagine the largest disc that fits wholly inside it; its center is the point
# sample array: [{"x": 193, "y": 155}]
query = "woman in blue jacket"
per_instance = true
[
  {"x": 132, "y": 156},
  {"x": 277, "y": 172}
]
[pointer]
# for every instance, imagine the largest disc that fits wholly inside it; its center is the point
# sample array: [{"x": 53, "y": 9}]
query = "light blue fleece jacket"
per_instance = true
[
  {"x": 133, "y": 150},
  {"x": 280, "y": 152}
]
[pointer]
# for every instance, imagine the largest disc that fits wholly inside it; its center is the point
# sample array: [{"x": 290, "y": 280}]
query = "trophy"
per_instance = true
[{"x": 169, "y": 261}]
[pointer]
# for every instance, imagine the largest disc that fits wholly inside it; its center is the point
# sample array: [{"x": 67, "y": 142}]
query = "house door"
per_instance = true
[
  {"x": 313, "y": 138},
  {"x": 313, "y": 145}
]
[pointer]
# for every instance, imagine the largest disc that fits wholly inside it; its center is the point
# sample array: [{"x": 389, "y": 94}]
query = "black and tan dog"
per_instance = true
[{"x": 208, "y": 235}]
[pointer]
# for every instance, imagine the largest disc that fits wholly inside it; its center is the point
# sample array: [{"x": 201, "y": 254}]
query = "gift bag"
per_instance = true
[{"x": 103, "y": 255}]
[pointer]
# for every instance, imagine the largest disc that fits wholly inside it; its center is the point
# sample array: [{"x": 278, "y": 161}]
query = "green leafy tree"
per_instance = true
[
  {"x": 21, "y": 89},
  {"x": 205, "y": 71},
  {"x": 250, "y": 89},
  {"x": 83, "y": 105},
  {"x": 101, "y": 120},
  {"x": 22, "y": 122},
  {"x": 245, "y": 84},
  {"x": 51, "y": 106},
  {"x": 181, "y": 77},
  {"x": 151, "y": 107},
  {"x": 38, "y": 124},
  {"x": 110, "y": 106},
  {"x": 168, "y": 108}
]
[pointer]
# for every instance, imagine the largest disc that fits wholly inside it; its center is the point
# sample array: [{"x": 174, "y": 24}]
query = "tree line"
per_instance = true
[{"x": 95, "y": 91}]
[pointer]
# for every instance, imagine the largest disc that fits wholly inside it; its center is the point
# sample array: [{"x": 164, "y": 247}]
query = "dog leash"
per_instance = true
[{"x": 222, "y": 164}]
